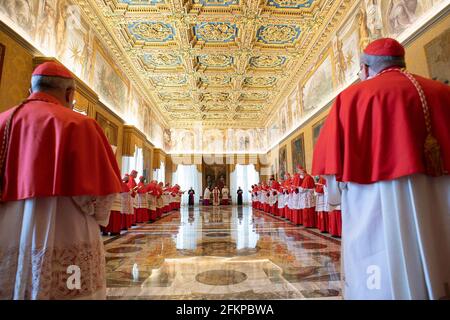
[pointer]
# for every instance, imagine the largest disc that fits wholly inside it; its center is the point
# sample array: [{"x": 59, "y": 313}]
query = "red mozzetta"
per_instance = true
[
  {"x": 54, "y": 151},
  {"x": 377, "y": 132}
]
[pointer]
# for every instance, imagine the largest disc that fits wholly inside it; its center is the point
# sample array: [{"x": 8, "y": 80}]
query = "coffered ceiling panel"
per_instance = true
[{"x": 219, "y": 62}]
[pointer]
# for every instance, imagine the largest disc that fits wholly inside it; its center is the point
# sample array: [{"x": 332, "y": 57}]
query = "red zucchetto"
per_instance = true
[
  {"x": 52, "y": 69},
  {"x": 385, "y": 47}
]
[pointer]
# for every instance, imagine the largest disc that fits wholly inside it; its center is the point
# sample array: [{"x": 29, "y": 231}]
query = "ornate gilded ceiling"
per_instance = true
[{"x": 224, "y": 63}]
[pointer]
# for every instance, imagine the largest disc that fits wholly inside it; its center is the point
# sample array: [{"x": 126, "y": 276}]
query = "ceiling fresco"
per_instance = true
[
  {"x": 224, "y": 63},
  {"x": 247, "y": 72}
]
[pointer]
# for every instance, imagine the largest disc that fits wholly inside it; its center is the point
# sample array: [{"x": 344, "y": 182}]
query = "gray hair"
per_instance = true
[
  {"x": 46, "y": 83},
  {"x": 379, "y": 63}
]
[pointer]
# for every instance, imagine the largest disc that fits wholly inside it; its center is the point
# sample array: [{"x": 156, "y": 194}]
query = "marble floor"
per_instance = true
[{"x": 223, "y": 252}]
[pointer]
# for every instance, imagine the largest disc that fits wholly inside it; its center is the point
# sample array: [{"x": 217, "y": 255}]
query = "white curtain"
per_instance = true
[
  {"x": 186, "y": 177},
  {"x": 136, "y": 162},
  {"x": 243, "y": 176},
  {"x": 160, "y": 174}
]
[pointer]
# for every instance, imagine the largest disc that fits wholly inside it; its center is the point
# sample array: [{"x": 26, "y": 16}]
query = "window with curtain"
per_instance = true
[
  {"x": 243, "y": 176},
  {"x": 160, "y": 174},
  {"x": 186, "y": 177},
  {"x": 136, "y": 162}
]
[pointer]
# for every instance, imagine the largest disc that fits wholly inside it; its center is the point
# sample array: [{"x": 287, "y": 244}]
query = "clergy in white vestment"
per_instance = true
[
  {"x": 225, "y": 195},
  {"x": 280, "y": 202},
  {"x": 216, "y": 196},
  {"x": 385, "y": 152},
  {"x": 206, "y": 196}
]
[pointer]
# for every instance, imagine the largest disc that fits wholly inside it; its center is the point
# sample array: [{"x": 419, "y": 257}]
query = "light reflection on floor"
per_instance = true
[{"x": 222, "y": 253}]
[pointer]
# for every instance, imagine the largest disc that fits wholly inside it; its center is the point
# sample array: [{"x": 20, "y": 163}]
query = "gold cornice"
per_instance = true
[
  {"x": 19, "y": 39},
  {"x": 111, "y": 112},
  {"x": 132, "y": 137}
]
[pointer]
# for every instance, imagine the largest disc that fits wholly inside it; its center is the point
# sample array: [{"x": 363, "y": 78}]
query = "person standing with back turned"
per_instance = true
[{"x": 385, "y": 153}]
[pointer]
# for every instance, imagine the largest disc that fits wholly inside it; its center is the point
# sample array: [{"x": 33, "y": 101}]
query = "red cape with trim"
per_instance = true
[
  {"x": 376, "y": 130},
  {"x": 54, "y": 151}
]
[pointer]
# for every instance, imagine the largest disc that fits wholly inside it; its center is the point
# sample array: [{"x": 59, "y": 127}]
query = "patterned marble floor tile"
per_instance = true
[{"x": 222, "y": 253}]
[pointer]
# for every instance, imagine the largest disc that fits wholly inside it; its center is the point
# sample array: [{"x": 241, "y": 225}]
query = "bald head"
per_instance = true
[
  {"x": 61, "y": 88},
  {"x": 379, "y": 63},
  {"x": 382, "y": 54},
  {"x": 56, "y": 80}
]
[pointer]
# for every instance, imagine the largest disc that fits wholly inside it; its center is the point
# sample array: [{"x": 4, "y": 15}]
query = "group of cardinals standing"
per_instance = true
[
  {"x": 141, "y": 203},
  {"x": 300, "y": 199}
]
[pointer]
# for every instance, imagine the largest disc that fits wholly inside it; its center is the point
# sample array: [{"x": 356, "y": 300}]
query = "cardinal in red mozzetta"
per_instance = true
[
  {"x": 308, "y": 201},
  {"x": 298, "y": 180},
  {"x": 385, "y": 148},
  {"x": 298, "y": 201},
  {"x": 58, "y": 180},
  {"x": 275, "y": 186},
  {"x": 159, "y": 200},
  {"x": 321, "y": 212},
  {"x": 133, "y": 191},
  {"x": 127, "y": 211},
  {"x": 142, "y": 214},
  {"x": 152, "y": 194}
]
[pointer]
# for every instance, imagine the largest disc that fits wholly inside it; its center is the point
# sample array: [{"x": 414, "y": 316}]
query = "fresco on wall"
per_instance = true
[
  {"x": 218, "y": 140},
  {"x": 283, "y": 118},
  {"x": 182, "y": 140},
  {"x": 167, "y": 139},
  {"x": 58, "y": 29},
  {"x": 109, "y": 85},
  {"x": 370, "y": 20},
  {"x": 23, "y": 14},
  {"x": 75, "y": 50},
  {"x": 157, "y": 135},
  {"x": 259, "y": 138},
  {"x": 294, "y": 106},
  {"x": 282, "y": 161},
  {"x": 147, "y": 120},
  {"x": 274, "y": 131},
  {"x": 438, "y": 57},
  {"x": 242, "y": 138},
  {"x": 399, "y": 15},
  {"x": 346, "y": 49},
  {"x": 319, "y": 87},
  {"x": 213, "y": 140},
  {"x": 298, "y": 152}
]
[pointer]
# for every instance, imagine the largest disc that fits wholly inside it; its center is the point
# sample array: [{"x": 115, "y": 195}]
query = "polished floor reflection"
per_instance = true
[{"x": 222, "y": 253}]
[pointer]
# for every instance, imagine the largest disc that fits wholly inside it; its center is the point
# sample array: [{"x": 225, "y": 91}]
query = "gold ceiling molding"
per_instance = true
[
  {"x": 96, "y": 17},
  {"x": 193, "y": 52},
  {"x": 317, "y": 45}
]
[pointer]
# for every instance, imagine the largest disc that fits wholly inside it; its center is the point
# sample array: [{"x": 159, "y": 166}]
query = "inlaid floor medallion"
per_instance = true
[{"x": 221, "y": 277}]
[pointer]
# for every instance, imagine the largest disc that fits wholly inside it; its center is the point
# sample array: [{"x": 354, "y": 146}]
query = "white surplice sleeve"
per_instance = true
[
  {"x": 99, "y": 207},
  {"x": 334, "y": 190}
]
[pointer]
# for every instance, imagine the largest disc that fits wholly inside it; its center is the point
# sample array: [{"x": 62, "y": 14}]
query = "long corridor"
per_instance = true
[{"x": 222, "y": 253}]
